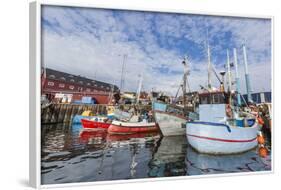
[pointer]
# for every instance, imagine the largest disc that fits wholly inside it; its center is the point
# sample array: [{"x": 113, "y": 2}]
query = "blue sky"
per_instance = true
[{"x": 91, "y": 42}]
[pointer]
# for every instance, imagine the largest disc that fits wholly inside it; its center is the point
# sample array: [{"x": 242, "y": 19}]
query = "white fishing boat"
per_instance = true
[
  {"x": 213, "y": 133},
  {"x": 219, "y": 138},
  {"x": 222, "y": 128}
]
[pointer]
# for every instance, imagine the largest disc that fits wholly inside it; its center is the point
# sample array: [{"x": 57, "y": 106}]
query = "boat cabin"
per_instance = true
[{"x": 212, "y": 106}]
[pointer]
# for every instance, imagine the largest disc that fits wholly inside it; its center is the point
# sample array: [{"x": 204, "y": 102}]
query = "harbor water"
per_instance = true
[{"x": 70, "y": 154}]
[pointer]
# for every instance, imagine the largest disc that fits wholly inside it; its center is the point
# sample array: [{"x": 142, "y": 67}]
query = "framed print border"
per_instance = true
[{"x": 35, "y": 91}]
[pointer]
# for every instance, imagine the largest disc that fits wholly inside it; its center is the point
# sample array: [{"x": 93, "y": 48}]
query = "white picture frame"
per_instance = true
[{"x": 35, "y": 92}]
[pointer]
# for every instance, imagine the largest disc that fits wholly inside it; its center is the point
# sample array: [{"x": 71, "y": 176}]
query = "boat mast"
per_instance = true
[
  {"x": 229, "y": 77},
  {"x": 228, "y": 71},
  {"x": 247, "y": 77},
  {"x": 209, "y": 61},
  {"x": 185, "y": 82},
  {"x": 139, "y": 89},
  {"x": 122, "y": 73},
  {"x": 237, "y": 77}
]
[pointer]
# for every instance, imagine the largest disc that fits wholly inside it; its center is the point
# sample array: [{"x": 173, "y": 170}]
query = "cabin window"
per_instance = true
[
  {"x": 219, "y": 99},
  {"x": 212, "y": 99},
  {"x": 216, "y": 99},
  {"x": 205, "y": 100}
]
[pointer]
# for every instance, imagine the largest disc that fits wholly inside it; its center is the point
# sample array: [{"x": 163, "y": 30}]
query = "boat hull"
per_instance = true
[
  {"x": 217, "y": 138},
  {"x": 118, "y": 127},
  {"x": 77, "y": 119},
  {"x": 169, "y": 124},
  {"x": 89, "y": 124}
]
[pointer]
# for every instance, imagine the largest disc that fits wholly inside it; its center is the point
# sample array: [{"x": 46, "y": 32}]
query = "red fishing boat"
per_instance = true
[
  {"x": 119, "y": 127},
  {"x": 96, "y": 123}
]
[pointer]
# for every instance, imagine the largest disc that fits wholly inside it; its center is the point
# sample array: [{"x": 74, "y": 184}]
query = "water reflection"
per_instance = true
[
  {"x": 70, "y": 154},
  {"x": 169, "y": 157},
  {"x": 198, "y": 164}
]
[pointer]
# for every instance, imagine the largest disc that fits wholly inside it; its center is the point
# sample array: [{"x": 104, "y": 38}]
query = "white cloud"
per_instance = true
[{"x": 91, "y": 42}]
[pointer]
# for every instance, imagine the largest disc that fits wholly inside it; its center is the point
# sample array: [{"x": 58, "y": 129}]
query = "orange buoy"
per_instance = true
[
  {"x": 263, "y": 151},
  {"x": 260, "y": 138},
  {"x": 260, "y": 121}
]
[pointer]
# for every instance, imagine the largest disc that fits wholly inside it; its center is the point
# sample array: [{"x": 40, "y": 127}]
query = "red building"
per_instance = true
[{"x": 54, "y": 82}]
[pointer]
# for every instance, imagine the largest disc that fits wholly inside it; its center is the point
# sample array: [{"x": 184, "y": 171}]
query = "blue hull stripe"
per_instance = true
[{"x": 211, "y": 124}]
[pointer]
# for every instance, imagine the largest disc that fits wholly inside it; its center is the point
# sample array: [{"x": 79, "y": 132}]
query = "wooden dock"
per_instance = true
[{"x": 64, "y": 113}]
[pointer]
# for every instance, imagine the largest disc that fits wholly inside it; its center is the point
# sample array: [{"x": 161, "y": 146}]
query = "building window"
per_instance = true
[
  {"x": 61, "y": 85},
  {"x": 62, "y": 78},
  {"x": 88, "y": 84},
  {"x": 71, "y": 87},
  {"x": 72, "y": 80},
  {"x": 52, "y": 76},
  {"x": 51, "y": 83},
  {"x": 101, "y": 86},
  {"x": 88, "y": 90},
  {"x": 80, "y": 82}
]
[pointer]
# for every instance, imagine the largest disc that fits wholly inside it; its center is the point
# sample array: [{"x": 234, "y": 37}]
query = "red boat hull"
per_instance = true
[
  {"x": 89, "y": 124},
  {"x": 115, "y": 129}
]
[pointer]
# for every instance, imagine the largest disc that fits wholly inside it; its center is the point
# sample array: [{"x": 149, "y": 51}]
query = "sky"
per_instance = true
[{"x": 92, "y": 43}]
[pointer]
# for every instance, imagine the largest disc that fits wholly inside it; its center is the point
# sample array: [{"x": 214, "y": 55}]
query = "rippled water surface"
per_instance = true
[{"x": 70, "y": 154}]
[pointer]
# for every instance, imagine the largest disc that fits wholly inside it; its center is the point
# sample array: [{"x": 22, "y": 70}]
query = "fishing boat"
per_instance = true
[
  {"x": 171, "y": 118},
  {"x": 216, "y": 133},
  {"x": 112, "y": 113},
  {"x": 85, "y": 115},
  {"x": 222, "y": 128},
  {"x": 170, "y": 123},
  {"x": 96, "y": 123},
  {"x": 131, "y": 126}
]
